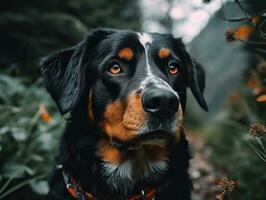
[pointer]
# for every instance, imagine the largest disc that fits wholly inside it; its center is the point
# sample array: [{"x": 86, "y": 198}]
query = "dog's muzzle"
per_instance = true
[{"x": 161, "y": 106}]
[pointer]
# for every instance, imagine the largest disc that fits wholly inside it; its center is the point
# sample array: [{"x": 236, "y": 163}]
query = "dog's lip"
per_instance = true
[{"x": 159, "y": 135}]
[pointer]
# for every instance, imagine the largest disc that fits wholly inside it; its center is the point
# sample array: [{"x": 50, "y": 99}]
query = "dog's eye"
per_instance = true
[
  {"x": 114, "y": 68},
  {"x": 174, "y": 68}
]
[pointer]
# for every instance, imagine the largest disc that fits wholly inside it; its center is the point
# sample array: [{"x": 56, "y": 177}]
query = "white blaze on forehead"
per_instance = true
[{"x": 146, "y": 39}]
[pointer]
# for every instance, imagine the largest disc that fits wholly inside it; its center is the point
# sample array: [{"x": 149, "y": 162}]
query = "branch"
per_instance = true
[
  {"x": 242, "y": 8},
  {"x": 235, "y": 19}
]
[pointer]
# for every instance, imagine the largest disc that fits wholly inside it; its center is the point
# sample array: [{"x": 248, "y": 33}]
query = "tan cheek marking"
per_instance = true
[
  {"x": 134, "y": 116},
  {"x": 126, "y": 54},
  {"x": 113, "y": 122},
  {"x": 109, "y": 153},
  {"x": 90, "y": 113},
  {"x": 164, "y": 53}
]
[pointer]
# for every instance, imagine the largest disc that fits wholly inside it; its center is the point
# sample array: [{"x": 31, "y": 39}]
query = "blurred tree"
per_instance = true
[{"x": 31, "y": 29}]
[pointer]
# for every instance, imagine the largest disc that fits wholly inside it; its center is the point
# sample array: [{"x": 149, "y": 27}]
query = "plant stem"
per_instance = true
[
  {"x": 242, "y": 8},
  {"x": 260, "y": 143},
  {"x": 6, "y": 184},
  {"x": 20, "y": 185}
]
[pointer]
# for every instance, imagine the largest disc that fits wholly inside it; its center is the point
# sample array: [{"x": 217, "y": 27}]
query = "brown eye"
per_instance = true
[
  {"x": 114, "y": 68},
  {"x": 173, "y": 68}
]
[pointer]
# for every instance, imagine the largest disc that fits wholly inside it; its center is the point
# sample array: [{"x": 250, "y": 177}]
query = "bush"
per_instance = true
[
  {"x": 28, "y": 137},
  {"x": 231, "y": 146}
]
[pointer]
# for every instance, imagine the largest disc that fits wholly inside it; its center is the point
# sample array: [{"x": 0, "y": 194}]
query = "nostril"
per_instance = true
[{"x": 151, "y": 100}]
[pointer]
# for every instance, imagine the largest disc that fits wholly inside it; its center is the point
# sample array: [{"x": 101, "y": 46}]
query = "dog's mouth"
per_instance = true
[{"x": 151, "y": 138}]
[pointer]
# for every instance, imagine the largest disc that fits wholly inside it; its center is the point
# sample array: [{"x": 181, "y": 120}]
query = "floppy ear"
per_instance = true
[
  {"x": 64, "y": 72},
  {"x": 196, "y": 74},
  {"x": 63, "y": 76},
  {"x": 196, "y": 81}
]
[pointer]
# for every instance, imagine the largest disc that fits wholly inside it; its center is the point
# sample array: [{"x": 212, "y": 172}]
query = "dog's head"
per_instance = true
[{"x": 134, "y": 83}]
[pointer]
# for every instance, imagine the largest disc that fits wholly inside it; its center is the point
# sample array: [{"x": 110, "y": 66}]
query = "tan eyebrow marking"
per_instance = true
[
  {"x": 164, "y": 53},
  {"x": 126, "y": 53}
]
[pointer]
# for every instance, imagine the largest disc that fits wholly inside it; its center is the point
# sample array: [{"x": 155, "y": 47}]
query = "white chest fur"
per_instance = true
[{"x": 137, "y": 167}]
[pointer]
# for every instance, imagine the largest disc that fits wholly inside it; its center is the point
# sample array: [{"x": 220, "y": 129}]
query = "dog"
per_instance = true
[{"x": 124, "y": 93}]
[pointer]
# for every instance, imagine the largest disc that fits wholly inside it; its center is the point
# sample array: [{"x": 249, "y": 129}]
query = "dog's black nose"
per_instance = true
[{"x": 160, "y": 102}]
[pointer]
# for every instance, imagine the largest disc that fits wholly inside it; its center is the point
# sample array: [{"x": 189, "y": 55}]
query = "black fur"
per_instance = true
[{"x": 69, "y": 76}]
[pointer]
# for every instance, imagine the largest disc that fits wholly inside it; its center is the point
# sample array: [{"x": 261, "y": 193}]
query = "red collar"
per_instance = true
[{"x": 78, "y": 193}]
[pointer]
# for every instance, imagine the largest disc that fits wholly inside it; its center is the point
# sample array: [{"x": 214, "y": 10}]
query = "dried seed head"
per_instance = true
[
  {"x": 226, "y": 185},
  {"x": 257, "y": 130}
]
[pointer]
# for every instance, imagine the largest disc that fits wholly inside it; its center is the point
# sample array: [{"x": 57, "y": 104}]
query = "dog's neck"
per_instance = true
[
  {"x": 123, "y": 169},
  {"x": 139, "y": 169}
]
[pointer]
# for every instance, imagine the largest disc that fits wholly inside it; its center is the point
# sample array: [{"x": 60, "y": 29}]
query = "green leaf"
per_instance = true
[{"x": 40, "y": 187}]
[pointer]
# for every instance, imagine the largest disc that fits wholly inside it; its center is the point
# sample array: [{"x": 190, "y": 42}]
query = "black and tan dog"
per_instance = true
[{"x": 126, "y": 96}]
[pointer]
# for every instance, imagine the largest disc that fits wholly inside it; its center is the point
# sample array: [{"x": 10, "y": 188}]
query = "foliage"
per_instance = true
[
  {"x": 238, "y": 154},
  {"x": 231, "y": 153},
  {"x": 226, "y": 187},
  {"x": 33, "y": 29},
  {"x": 27, "y": 140},
  {"x": 231, "y": 145}
]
